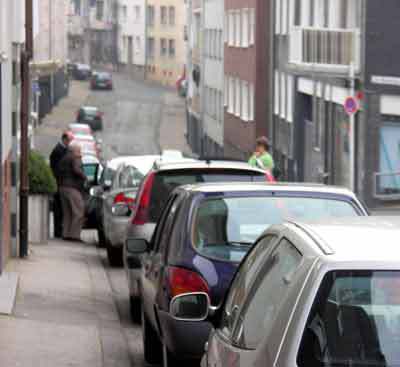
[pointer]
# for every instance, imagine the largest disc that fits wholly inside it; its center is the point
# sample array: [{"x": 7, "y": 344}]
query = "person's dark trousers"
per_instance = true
[{"x": 58, "y": 216}]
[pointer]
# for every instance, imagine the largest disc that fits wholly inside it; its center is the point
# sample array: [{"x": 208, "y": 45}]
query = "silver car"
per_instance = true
[
  {"x": 323, "y": 294},
  {"x": 119, "y": 201}
]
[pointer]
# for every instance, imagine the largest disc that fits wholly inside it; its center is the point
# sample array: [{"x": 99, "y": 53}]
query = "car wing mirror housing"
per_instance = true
[
  {"x": 194, "y": 306},
  {"x": 135, "y": 246}
]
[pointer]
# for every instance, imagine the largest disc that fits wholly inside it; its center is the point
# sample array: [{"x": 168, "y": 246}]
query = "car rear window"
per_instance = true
[
  {"x": 166, "y": 182},
  {"x": 354, "y": 321},
  {"x": 225, "y": 228}
]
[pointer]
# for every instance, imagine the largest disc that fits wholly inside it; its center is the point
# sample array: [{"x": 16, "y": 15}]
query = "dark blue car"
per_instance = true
[{"x": 202, "y": 236}]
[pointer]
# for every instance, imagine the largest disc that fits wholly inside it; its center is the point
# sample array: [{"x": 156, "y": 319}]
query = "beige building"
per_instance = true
[{"x": 166, "y": 40}]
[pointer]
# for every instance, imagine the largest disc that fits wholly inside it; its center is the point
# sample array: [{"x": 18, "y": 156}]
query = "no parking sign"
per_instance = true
[{"x": 351, "y": 105}]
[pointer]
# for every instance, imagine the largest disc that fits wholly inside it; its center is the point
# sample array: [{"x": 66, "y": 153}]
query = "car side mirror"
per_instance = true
[
  {"x": 190, "y": 307},
  {"x": 136, "y": 246},
  {"x": 121, "y": 210}
]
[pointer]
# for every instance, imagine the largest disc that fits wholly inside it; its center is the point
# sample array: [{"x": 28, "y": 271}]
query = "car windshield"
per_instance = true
[
  {"x": 90, "y": 111},
  {"x": 103, "y": 77},
  {"x": 225, "y": 228},
  {"x": 355, "y": 321},
  {"x": 166, "y": 182}
]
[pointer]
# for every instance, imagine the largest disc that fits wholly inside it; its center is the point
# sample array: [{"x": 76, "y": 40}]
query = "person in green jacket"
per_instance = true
[{"x": 261, "y": 157}]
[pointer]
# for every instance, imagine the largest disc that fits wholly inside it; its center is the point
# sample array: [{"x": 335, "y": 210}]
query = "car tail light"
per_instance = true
[
  {"x": 185, "y": 281},
  {"x": 121, "y": 198},
  {"x": 142, "y": 211}
]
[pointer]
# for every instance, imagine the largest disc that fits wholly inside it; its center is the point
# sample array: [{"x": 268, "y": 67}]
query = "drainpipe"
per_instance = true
[{"x": 26, "y": 56}]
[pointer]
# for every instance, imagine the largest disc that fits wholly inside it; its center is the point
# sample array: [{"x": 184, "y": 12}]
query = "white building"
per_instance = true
[
  {"x": 12, "y": 38},
  {"x": 131, "y": 36},
  {"x": 213, "y": 86}
]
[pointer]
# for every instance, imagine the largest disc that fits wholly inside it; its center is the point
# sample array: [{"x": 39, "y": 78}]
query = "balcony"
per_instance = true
[{"x": 325, "y": 49}]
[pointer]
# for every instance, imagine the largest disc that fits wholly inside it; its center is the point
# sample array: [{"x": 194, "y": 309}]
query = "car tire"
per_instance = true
[
  {"x": 152, "y": 348},
  {"x": 114, "y": 255},
  {"x": 135, "y": 309}
]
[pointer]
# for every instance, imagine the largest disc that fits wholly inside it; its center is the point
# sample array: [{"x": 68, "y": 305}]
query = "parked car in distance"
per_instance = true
[
  {"x": 203, "y": 234},
  {"x": 120, "y": 200},
  {"x": 101, "y": 80},
  {"x": 82, "y": 71},
  {"x": 91, "y": 116},
  {"x": 322, "y": 294},
  {"x": 168, "y": 173},
  {"x": 88, "y": 145},
  {"x": 80, "y": 129}
]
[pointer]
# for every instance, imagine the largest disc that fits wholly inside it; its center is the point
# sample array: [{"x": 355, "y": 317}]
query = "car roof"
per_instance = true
[
  {"x": 358, "y": 239},
  {"x": 89, "y": 108},
  {"x": 79, "y": 126},
  {"x": 190, "y": 163},
  {"x": 139, "y": 161},
  {"x": 85, "y": 137}
]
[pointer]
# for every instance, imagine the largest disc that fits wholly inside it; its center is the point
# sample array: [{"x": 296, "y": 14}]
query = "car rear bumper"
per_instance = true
[
  {"x": 184, "y": 339},
  {"x": 117, "y": 230}
]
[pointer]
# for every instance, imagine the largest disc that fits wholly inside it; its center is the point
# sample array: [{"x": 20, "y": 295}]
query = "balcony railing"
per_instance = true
[
  {"x": 324, "y": 48},
  {"x": 387, "y": 186}
]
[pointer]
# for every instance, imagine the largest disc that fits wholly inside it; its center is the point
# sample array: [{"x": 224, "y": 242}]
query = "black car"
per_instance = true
[
  {"x": 101, "y": 81},
  {"x": 82, "y": 72},
  {"x": 202, "y": 236},
  {"x": 91, "y": 116}
]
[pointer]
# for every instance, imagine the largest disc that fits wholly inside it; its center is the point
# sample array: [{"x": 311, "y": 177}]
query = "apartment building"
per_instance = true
[
  {"x": 131, "y": 36},
  {"x": 213, "y": 87},
  {"x": 327, "y": 51},
  {"x": 78, "y": 27},
  {"x": 247, "y": 72},
  {"x": 165, "y": 43},
  {"x": 12, "y": 38},
  {"x": 195, "y": 75}
]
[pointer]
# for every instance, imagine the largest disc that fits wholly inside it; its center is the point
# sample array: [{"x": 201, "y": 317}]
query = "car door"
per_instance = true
[
  {"x": 253, "y": 304},
  {"x": 154, "y": 262}
]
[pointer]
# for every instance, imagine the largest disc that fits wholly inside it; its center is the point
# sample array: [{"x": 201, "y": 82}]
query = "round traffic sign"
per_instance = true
[{"x": 351, "y": 105}]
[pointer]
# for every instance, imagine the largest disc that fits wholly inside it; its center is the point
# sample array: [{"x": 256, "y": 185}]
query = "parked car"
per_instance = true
[
  {"x": 324, "y": 294},
  {"x": 82, "y": 71},
  {"x": 80, "y": 129},
  {"x": 103, "y": 190},
  {"x": 203, "y": 234},
  {"x": 91, "y": 116},
  {"x": 161, "y": 181},
  {"x": 101, "y": 81},
  {"x": 119, "y": 202},
  {"x": 88, "y": 145}
]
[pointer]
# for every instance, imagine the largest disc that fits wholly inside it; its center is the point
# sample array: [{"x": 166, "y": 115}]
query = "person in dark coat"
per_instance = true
[
  {"x": 72, "y": 185},
  {"x": 56, "y": 156}
]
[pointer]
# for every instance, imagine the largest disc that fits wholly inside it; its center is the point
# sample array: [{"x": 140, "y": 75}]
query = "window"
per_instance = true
[
  {"x": 245, "y": 28},
  {"x": 238, "y": 96},
  {"x": 251, "y": 103},
  {"x": 241, "y": 283},
  {"x": 226, "y": 28},
  {"x": 171, "y": 15},
  {"x": 252, "y": 26},
  {"x": 231, "y": 108},
  {"x": 245, "y": 101},
  {"x": 99, "y": 9},
  {"x": 238, "y": 28},
  {"x": 231, "y": 28},
  {"x": 226, "y": 94},
  {"x": 137, "y": 13},
  {"x": 150, "y": 15},
  {"x": 138, "y": 44},
  {"x": 354, "y": 320},
  {"x": 163, "y": 15},
  {"x": 124, "y": 13},
  {"x": 163, "y": 47},
  {"x": 171, "y": 48},
  {"x": 150, "y": 47},
  {"x": 259, "y": 312}
]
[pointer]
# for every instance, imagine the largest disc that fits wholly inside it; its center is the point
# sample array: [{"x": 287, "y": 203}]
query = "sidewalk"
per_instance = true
[
  {"x": 48, "y": 133},
  {"x": 65, "y": 314},
  {"x": 173, "y": 124}
]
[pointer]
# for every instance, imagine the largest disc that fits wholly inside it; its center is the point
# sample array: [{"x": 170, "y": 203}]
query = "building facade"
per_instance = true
[
  {"x": 213, "y": 86},
  {"x": 12, "y": 40},
  {"x": 165, "y": 40},
  {"x": 131, "y": 36},
  {"x": 247, "y": 72}
]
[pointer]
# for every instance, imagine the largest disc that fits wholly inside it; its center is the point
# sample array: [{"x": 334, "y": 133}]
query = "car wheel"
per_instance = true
[
  {"x": 152, "y": 349},
  {"x": 135, "y": 309},
  {"x": 114, "y": 255}
]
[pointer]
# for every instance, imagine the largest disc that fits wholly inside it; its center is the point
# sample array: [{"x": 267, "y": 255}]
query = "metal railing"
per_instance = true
[{"x": 387, "y": 186}]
